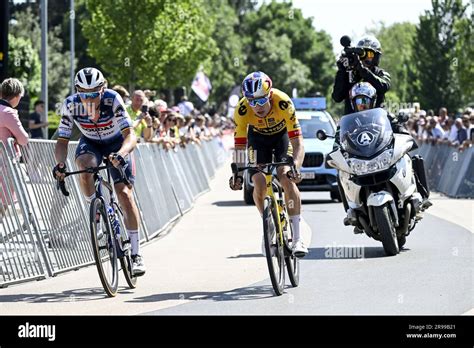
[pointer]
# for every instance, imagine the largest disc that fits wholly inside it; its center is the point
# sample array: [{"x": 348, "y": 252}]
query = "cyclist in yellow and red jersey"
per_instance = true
[{"x": 266, "y": 125}]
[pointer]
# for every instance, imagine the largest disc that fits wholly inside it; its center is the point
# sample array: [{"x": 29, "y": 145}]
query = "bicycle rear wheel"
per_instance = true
[
  {"x": 273, "y": 247},
  {"x": 105, "y": 253}
]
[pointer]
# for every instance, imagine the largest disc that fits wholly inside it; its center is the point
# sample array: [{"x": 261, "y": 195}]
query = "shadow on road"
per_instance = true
[
  {"x": 77, "y": 295},
  {"x": 229, "y": 203},
  {"x": 245, "y": 256},
  {"x": 345, "y": 252},
  {"x": 248, "y": 293},
  {"x": 317, "y": 201}
]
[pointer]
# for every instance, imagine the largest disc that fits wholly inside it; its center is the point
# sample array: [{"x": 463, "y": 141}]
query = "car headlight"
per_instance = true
[{"x": 377, "y": 164}]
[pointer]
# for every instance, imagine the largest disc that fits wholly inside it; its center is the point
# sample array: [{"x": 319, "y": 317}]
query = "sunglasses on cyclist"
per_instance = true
[
  {"x": 363, "y": 101},
  {"x": 88, "y": 95},
  {"x": 258, "y": 101}
]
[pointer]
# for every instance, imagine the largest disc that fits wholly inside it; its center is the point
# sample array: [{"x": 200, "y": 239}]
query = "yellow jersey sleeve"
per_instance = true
[
  {"x": 287, "y": 109},
  {"x": 241, "y": 122}
]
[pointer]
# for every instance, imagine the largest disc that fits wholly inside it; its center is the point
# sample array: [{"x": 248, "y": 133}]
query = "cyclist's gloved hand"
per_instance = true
[
  {"x": 294, "y": 177},
  {"x": 117, "y": 160},
  {"x": 237, "y": 185},
  {"x": 59, "y": 170}
]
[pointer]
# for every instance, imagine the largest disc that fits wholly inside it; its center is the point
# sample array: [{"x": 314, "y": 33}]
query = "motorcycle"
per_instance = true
[{"x": 378, "y": 177}]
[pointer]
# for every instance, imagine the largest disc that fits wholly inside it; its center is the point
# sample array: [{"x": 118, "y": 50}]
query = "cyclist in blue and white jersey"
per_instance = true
[{"x": 107, "y": 131}]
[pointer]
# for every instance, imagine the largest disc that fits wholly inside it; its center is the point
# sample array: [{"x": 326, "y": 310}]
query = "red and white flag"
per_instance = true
[{"x": 201, "y": 86}]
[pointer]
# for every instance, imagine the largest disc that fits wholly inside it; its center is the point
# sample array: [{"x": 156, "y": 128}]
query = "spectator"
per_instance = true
[
  {"x": 430, "y": 112},
  {"x": 138, "y": 111},
  {"x": 436, "y": 130},
  {"x": 185, "y": 106},
  {"x": 471, "y": 127},
  {"x": 443, "y": 115},
  {"x": 123, "y": 93},
  {"x": 461, "y": 133},
  {"x": 11, "y": 91},
  {"x": 10, "y": 126},
  {"x": 149, "y": 94},
  {"x": 448, "y": 128},
  {"x": 35, "y": 125}
]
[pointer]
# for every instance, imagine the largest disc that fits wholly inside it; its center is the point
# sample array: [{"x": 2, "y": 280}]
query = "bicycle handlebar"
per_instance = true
[
  {"x": 61, "y": 184},
  {"x": 259, "y": 167}
]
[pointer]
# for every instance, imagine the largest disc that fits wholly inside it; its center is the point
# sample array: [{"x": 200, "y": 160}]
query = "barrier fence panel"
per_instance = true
[
  {"x": 44, "y": 233},
  {"x": 449, "y": 171},
  {"x": 63, "y": 222},
  {"x": 20, "y": 258},
  {"x": 152, "y": 191}
]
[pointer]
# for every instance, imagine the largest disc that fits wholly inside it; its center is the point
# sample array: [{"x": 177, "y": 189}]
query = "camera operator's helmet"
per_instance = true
[
  {"x": 256, "y": 85},
  {"x": 363, "y": 96},
  {"x": 370, "y": 43},
  {"x": 89, "y": 78}
]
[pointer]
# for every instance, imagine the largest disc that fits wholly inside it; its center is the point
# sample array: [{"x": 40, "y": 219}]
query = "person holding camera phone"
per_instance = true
[
  {"x": 138, "y": 111},
  {"x": 360, "y": 64}
]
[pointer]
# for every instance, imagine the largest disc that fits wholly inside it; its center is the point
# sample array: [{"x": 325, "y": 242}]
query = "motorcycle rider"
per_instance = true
[
  {"x": 363, "y": 96},
  {"x": 366, "y": 70}
]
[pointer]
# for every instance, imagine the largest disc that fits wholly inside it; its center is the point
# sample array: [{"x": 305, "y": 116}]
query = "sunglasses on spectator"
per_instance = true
[
  {"x": 258, "y": 101},
  {"x": 88, "y": 95}
]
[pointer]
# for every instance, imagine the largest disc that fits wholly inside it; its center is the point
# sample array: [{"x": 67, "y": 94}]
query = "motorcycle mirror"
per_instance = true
[{"x": 321, "y": 134}]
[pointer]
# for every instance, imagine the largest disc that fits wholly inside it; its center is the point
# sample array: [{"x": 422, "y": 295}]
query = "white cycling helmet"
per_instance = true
[{"x": 89, "y": 78}]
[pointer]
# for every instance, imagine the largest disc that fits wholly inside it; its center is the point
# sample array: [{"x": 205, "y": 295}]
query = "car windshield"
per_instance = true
[
  {"x": 313, "y": 122},
  {"x": 365, "y": 133}
]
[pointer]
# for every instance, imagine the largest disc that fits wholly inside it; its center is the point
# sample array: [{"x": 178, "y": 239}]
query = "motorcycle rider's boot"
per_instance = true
[{"x": 357, "y": 230}]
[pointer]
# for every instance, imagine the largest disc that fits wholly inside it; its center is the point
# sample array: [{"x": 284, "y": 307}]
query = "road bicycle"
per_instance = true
[
  {"x": 277, "y": 230},
  {"x": 109, "y": 237}
]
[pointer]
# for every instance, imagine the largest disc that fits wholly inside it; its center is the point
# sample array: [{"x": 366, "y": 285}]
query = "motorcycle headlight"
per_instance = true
[{"x": 377, "y": 164}]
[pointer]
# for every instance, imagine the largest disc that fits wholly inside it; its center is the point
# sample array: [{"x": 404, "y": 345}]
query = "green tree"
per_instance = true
[
  {"x": 310, "y": 52},
  {"x": 437, "y": 37},
  {"x": 159, "y": 43},
  {"x": 464, "y": 66},
  {"x": 228, "y": 66},
  {"x": 27, "y": 26},
  {"x": 24, "y": 63},
  {"x": 398, "y": 60}
]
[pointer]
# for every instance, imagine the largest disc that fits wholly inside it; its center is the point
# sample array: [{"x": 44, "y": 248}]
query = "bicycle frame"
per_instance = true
[{"x": 269, "y": 178}]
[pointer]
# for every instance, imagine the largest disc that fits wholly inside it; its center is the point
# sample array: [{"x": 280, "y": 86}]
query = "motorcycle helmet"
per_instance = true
[
  {"x": 372, "y": 48},
  {"x": 363, "y": 96}
]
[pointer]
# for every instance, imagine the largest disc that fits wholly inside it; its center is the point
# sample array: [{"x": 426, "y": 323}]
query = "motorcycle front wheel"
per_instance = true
[{"x": 386, "y": 229}]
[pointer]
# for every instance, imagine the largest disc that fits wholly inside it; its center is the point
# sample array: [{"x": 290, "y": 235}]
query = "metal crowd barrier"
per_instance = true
[
  {"x": 43, "y": 233},
  {"x": 449, "y": 171}
]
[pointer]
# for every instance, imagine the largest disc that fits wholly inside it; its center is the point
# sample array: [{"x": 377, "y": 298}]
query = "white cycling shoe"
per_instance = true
[
  {"x": 138, "y": 266},
  {"x": 299, "y": 249}
]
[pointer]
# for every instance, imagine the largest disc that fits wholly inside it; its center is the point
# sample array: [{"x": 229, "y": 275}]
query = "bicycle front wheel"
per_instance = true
[
  {"x": 292, "y": 262},
  {"x": 103, "y": 247},
  {"x": 273, "y": 247}
]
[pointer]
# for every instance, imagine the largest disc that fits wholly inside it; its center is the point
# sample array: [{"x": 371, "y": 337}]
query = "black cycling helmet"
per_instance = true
[{"x": 370, "y": 43}]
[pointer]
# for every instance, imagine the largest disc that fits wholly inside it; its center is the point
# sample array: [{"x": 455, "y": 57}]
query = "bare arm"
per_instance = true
[
  {"x": 298, "y": 151},
  {"x": 129, "y": 142},
  {"x": 60, "y": 151}
]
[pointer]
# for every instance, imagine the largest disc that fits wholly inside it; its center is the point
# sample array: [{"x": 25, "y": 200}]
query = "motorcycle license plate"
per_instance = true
[{"x": 307, "y": 175}]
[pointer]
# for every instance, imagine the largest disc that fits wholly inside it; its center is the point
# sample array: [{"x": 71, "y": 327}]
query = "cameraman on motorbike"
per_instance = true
[{"x": 362, "y": 65}]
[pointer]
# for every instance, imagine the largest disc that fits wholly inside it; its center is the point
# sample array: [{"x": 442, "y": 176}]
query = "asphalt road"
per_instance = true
[
  {"x": 350, "y": 274},
  {"x": 210, "y": 263}
]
